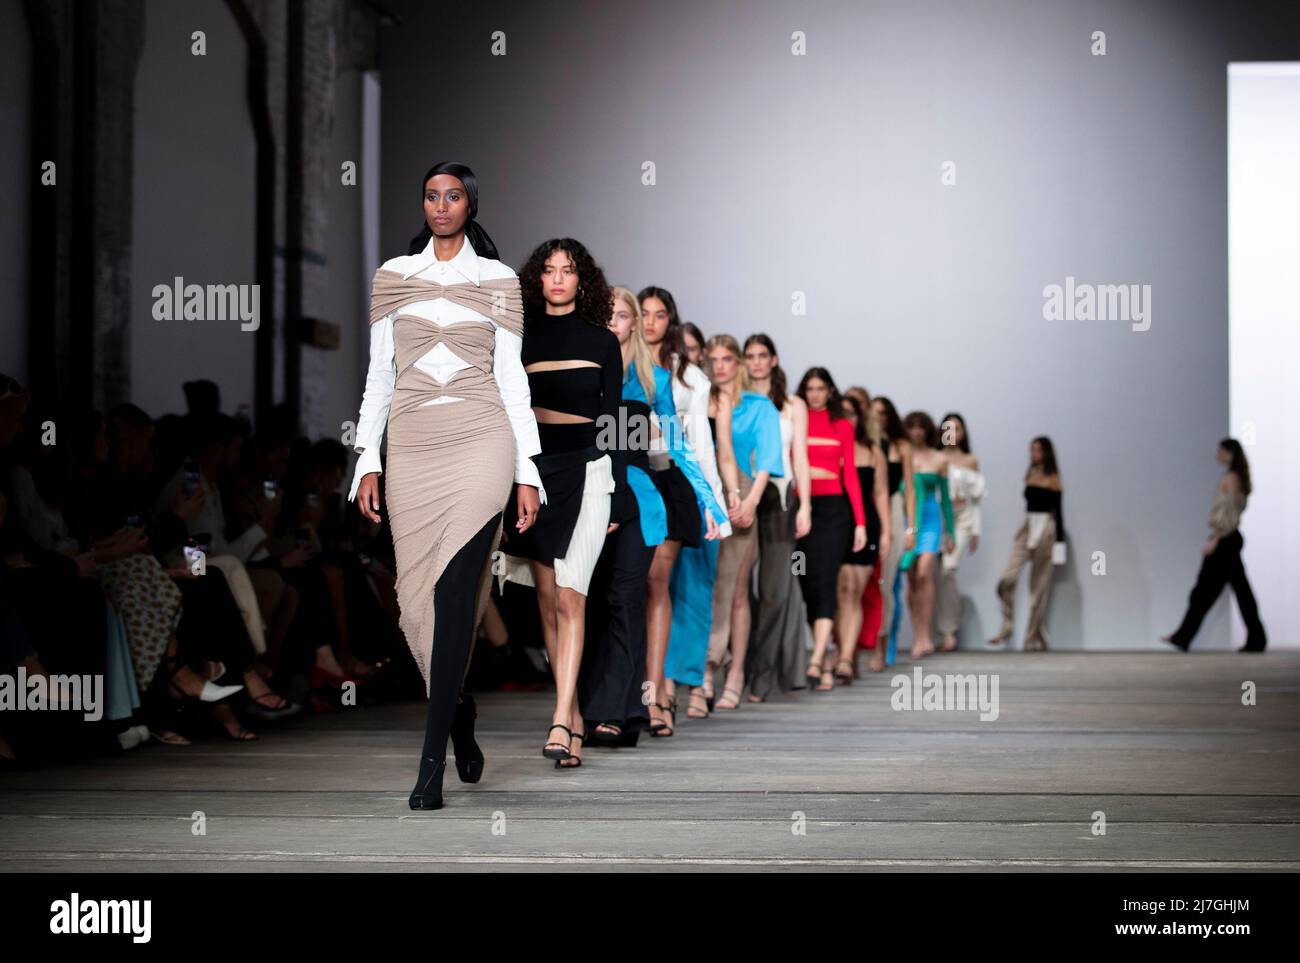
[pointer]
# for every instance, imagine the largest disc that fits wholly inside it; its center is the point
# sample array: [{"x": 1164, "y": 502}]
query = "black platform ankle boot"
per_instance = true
[
  {"x": 428, "y": 788},
  {"x": 469, "y": 757}
]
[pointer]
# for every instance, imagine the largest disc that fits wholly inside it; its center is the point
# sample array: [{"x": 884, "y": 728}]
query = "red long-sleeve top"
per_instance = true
[{"x": 836, "y": 458}]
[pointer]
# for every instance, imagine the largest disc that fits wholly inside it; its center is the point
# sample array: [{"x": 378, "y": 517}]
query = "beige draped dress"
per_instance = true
[{"x": 450, "y": 467}]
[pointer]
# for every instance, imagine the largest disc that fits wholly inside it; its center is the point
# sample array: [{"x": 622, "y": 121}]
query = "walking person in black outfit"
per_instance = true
[{"x": 1222, "y": 563}]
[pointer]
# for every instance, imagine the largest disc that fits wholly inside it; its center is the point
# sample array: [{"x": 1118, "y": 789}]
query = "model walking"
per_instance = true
[
  {"x": 1222, "y": 564},
  {"x": 966, "y": 486},
  {"x": 575, "y": 377},
  {"x": 856, "y": 572},
  {"x": 1036, "y": 542},
  {"x": 614, "y": 660},
  {"x": 839, "y": 525},
  {"x": 933, "y": 524},
  {"x": 777, "y": 643},
  {"x": 679, "y": 592},
  {"x": 446, "y": 382},
  {"x": 902, "y": 506},
  {"x": 747, "y": 431}
]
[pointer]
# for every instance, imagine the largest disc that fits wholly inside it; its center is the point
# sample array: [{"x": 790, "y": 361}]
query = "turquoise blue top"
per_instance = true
[
  {"x": 654, "y": 516},
  {"x": 756, "y": 435}
]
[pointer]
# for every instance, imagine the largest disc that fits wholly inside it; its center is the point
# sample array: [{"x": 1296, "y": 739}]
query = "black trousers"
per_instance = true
[
  {"x": 1222, "y": 567},
  {"x": 614, "y": 649},
  {"x": 454, "y": 607},
  {"x": 211, "y": 626}
]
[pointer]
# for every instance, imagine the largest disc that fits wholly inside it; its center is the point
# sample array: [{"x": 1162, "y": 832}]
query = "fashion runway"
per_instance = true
[{"x": 1187, "y": 777}]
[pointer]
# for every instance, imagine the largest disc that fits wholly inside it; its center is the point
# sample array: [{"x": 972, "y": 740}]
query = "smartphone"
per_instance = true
[
  {"x": 191, "y": 476},
  {"x": 133, "y": 521},
  {"x": 269, "y": 487},
  {"x": 313, "y": 496}
]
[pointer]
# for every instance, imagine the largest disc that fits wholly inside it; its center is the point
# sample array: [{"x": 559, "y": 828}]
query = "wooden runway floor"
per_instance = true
[{"x": 1187, "y": 778}]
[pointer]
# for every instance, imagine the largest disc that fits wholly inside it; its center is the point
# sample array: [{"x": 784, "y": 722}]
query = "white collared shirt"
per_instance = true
[
  {"x": 692, "y": 403},
  {"x": 442, "y": 363}
]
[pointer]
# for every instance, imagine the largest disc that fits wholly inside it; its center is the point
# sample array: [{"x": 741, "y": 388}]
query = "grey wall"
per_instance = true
[
  {"x": 821, "y": 174},
  {"x": 193, "y": 202}
]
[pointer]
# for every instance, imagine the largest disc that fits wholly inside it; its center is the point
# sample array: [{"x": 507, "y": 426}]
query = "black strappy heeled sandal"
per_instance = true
[
  {"x": 662, "y": 730},
  {"x": 561, "y": 750},
  {"x": 573, "y": 761}
]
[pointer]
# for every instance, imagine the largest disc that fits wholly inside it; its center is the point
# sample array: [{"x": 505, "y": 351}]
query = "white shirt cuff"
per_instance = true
[
  {"x": 367, "y": 463},
  {"x": 526, "y": 474}
]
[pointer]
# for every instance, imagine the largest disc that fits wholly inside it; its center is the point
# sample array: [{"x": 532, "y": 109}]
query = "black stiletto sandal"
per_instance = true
[
  {"x": 561, "y": 750},
  {"x": 662, "y": 730},
  {"x": 574, "y": 761}
]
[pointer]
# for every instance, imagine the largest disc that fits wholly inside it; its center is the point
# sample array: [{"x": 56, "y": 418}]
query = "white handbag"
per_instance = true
[{"x": 1058, "y": 553}]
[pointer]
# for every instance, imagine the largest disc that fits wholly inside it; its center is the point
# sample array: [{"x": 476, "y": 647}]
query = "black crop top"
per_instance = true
[
  {"x": 586, "y": 391},
  {"x": 1041, "y": 499},
  {"x": 895, "y": 468}
]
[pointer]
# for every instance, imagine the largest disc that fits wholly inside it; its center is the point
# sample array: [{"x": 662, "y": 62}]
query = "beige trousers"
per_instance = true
[{"x": 1040, "y": 579}]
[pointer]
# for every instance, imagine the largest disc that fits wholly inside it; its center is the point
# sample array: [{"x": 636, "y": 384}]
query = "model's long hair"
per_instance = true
[
  {"x": 919, "y": 419},
  {"x": 833, "y": 406},
  {"x": 871, "y": 424},
  {"x": 478, "y": 238},
  {"x": 1049, "y": 456},
  {"x": 1238, "y": 464},
  {"x": 642, "y": 354},
  {"x": 689, "y": 327},
  {"x": 891, "y": 426},
  {"x": 964, "y": 444},
  {"x": 859, "y": 418},
  {"x": 778, "y": 389},
  {"x": 595, "y": 301},
  {"x": 730, "y": 344},
  {"x": 673, "y": 342}
]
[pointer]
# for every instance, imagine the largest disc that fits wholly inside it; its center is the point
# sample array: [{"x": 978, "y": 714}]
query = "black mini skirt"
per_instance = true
[{"x": 684, "y": 522}]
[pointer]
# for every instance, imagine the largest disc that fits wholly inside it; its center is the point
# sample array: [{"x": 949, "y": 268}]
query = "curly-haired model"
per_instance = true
[
  {"x": 575, "y": 379},
  {"x": 595, "y": 298}
]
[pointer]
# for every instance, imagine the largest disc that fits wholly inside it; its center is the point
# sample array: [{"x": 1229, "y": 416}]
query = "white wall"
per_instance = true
[
  {"x": 821, "y": 174},
  {"x": 1264, "y": 344}
]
